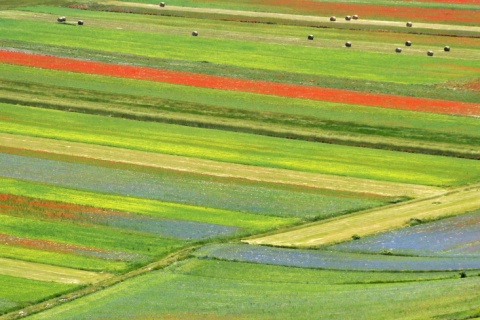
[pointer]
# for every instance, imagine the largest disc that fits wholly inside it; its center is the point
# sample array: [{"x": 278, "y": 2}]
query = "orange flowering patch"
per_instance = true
[
  {"x": 235, "y": 84},
  {"x": 372, "y": 11}
]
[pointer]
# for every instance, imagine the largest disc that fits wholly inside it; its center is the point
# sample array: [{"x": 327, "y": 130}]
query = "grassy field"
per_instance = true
[
  {"x": 127, "y": 143},
  {"x": 216, "y": 289},
  {"x": 241, "y": 149},
  {"x": 16, "y": 292}
]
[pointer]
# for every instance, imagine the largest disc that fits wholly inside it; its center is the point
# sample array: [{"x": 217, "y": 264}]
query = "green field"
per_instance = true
[
  {"x": 108, "y": 184},
  {"x": 226, "y": 290}
]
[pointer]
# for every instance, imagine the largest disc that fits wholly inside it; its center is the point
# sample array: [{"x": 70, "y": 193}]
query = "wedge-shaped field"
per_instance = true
[
  {"x": 456, "y": 236},
  {"x": 377, "y": 220},
  {"x": 16, "y": 291},
  {"x": 241, "y": 148},
  {"x": 199, "y": 289}
]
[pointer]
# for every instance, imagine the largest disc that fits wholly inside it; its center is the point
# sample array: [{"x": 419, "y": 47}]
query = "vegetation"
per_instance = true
[{"x": 126, "y": 144}]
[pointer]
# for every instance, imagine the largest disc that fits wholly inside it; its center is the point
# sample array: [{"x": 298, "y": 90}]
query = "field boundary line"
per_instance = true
[
  {"x": 215, "y": 168},
  {"x": 292, "y": 17},
  {"x": 372, "y": 221},
  {"x": 41, "y": 306}
]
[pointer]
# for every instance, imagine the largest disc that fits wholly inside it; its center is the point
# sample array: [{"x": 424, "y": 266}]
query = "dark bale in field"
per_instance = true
[
  {"x": 408, "y": 43},
  {"x": 333, "y": 19},
  {"x": 447, "y": 48},
  {"x": 162, "y": 4},
  {"x": 348, "y": 44},
  {"x": 80, "y": 22},
  {"x": 355, "y": 17},
  {"x": 195, "y": 33},
  {"x": 348, "y": 18},
  {"x": 398, "y": 50},
  {"x": 409, "y": 24},
  {"x": 310, "y": 37},
  {"x": 430, "y": 53},
  {"x": 61, "y": 19}
]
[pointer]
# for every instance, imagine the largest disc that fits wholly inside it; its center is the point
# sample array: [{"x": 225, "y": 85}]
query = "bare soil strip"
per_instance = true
[
  {"x": 292, "y": 17},
  {"x": 46, "y": 272},
  {"x": 376, "y": 220},
  {"x": 215, "y": 168}
]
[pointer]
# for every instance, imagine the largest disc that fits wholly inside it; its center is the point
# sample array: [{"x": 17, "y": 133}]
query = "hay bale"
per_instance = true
[
  {"x": 408, "y": 43},
  {"x": 409, "y": 24},
  {"x": 162, "y": 4},
  {"x": 348, "y": 18},
  {"x": 398, "y": 50},
  {"x": 348, "y": 44},
  {"x": 310, "y": 37},
  {"x": 195, "y": 33},
  {"x": 447, "y": 48},
  {"x": 430, "y": 53},
  {"x": 80, "y": 22},
  {"x": 355, "y": 17},
  {"x": 332, "y": 18},
  {"x": 61, "y": 19}
]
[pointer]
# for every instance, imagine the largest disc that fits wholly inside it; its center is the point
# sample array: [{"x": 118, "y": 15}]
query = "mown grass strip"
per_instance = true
[
  {"x": 376, "y": 220},
  {"x": 45, "y": 272}
]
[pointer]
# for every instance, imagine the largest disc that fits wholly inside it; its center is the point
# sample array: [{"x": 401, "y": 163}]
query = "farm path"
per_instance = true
[
  {"x": 373, "y": 221},
  {"x": 107, "y": 282},
  {"x": 215, "y": 168},
  {"x": 292, "y": 17},
  {"x": 46, "y": 272}
]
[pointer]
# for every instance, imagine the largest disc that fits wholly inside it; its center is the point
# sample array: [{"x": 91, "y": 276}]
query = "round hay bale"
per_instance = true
[
  {"x": 310, "y": 37},
  {"x": 430, "y": 53},
  {"x": 408, "y": 43},
  {"x": 355, "y": 17},
  {"x": 348, "y": 18},
  {"x": 195, "y": 33},
  {"x": 348, "y": 44},
  {"x": 162, "y": 4},
  {"x": 398, "y": 50},
  {"x": 80, "y": 22},
  {"x": 332, "y": 18},
  {"x": 409, "y": 24},
  {"x": 61, "y": 19},
  {"x": 447, "y": 48}
]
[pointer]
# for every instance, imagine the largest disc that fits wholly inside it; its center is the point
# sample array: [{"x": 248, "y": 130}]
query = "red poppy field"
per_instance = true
[
  {"x": 223, "y": 83},
  {"x": 152, "y": 156}
]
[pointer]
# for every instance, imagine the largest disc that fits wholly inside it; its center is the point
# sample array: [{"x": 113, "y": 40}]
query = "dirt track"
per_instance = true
[{"x": 291, "y": 17}]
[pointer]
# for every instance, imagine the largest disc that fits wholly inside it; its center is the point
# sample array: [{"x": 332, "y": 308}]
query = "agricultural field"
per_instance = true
[{"x": 239, "y": 159}]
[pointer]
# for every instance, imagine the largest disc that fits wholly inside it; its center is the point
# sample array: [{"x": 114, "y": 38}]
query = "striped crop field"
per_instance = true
[{"x": 239, "y": 159}]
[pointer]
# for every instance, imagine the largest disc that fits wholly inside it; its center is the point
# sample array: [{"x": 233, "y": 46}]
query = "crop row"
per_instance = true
[
  {"x": 323, "y": 259},
  {"x": 351, "y": 64},
  {"x": 242, "y": 148},
  {"x": 385, "y": 10},
  {"x": 183, "y": 188},
  {"x": 297, "y": 118},
  {"x": 223, "y": 83}
]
